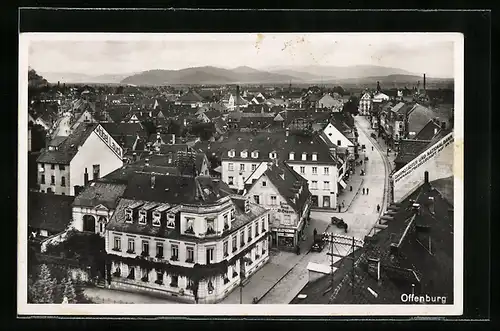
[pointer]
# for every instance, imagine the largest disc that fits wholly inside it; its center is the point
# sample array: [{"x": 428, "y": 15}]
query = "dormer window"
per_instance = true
[
  {"x": 315, "y": 156},
  {"x": 255, "y": 154},
  {"x": 247, "y": 206},
  {"x": 189, "y": 225},
  {"x": 128, "y": 215},
  {"x": 272, "y": 155},
  {"x": 304, "y": 156},
  {"x": 156, "y": 219},
  {"x": 171, "y": 221},
  {"x": 142, "y": 217},
  {"x": 232, "y": 215},
  {"x": 231, "y": 153},
  {"x": 292, "y": 156},
  {"x": 244, "y": 154},
  {"x": 210, "y": 226}
]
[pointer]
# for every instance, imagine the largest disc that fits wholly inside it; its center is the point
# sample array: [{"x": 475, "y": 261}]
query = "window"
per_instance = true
[
  {"x": 315, "y": 157},
  {"x": 302, "y": 170},
  {"x": 304, "y": 156},
  {"x": 338, "y": 143},
  {"x": 156, "y": 219},
  {"x": 175, "y": 253},
  {"x": 230, "y": 180},
  {"x": 142, "y": 217},
  {"x": 233, "y": 243},
  {"x": 210, "y": 255},
  {"x": 226, "y": 222},
  {"x": 117, "y": 244},
  {"x": 210, "y": 226},
  {"x": 174, "y": 281},
  {"x": 315, "y": 170},
  {"x": 63, "y": 181},
  {"x": 249, "y": 233},
  {"x": 62, "y": 167},
  {"x": 171, "y": 221},
  {"x": 159, "y": 278},
  {"x": 287, "y": 220},
  {"x": 314, "y": 185},
  {"x": 255, "y": 154},
  {"x": 231, "y": 153},
  {"x": 52, "y": 166},
  {"x": 131, "y": 274},
  {"x": 273, "y": 200},
  {"x": 189, "y": 225},
  {"x": 263, "y": 225},
  {"x": 242, "y": 238},
  {"x": 242, "y": 167},
  {"x": 189, "y": 254},
  {"x": 264, "y": 183},
  {"x": 159, "y": 250},
  {"x": 230, "y": 166},
  {"x": 42, "y": 167},
  {"x": 131, "y": 245},
  {"x": 254, "y": 166},
  {"x": 256, "y": 199},
  {"x": 225, "y": 246},
  {"x": 326, "y": 185},
  {"x": 256, "y": 229},
  {"x": 232, "y": 215},
  {"x": 42, "y": 179},
  {"x": 291, "y": 156},
  {"x": 96, "y": 170},
  {"x": 52, "y": 180},
  {"x": 145, "y": 248},
  {"x": 326, "y": 171},
  {"x": 244, "y": 154}
]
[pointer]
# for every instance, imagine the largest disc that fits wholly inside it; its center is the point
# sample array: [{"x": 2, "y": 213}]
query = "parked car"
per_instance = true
[
  {"x": 318, "y": 243},
  {"x": 339, "y": 222}
]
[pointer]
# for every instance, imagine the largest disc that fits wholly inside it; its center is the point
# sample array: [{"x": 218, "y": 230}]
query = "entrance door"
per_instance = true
[
  {"x": 89, "y": 223},
  {"x": 314, "y": 200},
  {"x": 326, "y": 201}
]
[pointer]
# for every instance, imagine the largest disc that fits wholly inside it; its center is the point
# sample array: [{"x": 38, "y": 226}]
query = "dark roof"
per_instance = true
[
  {"x": 100, "y": 193},
  {"x": 175, "y": 189},
  {"x": 285, "y": 180},
  {"x": 68, "y": 149},
  {"x": 119, "y": 113},
  {"x": 211, "y": 114},
  {"x": 267, "y": 142},
  {"x": 445, "y": 187},
  {"x": 418, "y": 117},
  {"x": 191, "y": 96},
  {"x": 428, "y": 131},
  {"x": 410, "y": 149},
  {"x": 49, "y": 212},
  {"x": 124, "y": 129}
]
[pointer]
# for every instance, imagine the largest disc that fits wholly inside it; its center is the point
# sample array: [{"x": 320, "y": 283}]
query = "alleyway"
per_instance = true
[{"x": 62, "y": 127}]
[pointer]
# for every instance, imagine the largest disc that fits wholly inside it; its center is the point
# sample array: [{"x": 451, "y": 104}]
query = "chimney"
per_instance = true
[
  {"x": 426, "y": 177},
  {"x": 153, "y": 181},
  {"x": 85, "y": 178},
  {"x": 374, "y": 267},
  {"x": 424, "y": 82}
]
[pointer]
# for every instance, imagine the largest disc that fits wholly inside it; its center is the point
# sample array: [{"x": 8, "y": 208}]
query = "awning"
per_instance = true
[{"x": 342, "y": 183}]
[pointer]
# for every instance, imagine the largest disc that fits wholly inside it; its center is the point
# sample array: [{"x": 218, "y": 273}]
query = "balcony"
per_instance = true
[
  {"x": 174, "y": 284},
  {"x": 145, "y": 254},
  {"x": 190, "y": 260},
  {"x": 226, "y": 254},
  {"x": 159, "y": 282},
  {"x": 189, "y": 231},
  {"x": 159, "y": 256},
  {"x": 242, "y": 244},
  {"x": 145, "y": 279},
  {"x": 131, "y": 276},
  {"x": 174, "y": 258},
  {"x": 234, "y": 249},
  {"x": 116, "y": 249},
  {"x": 116, "y": 274},
  {"x": 130, "y": 251},
  {"x": 210, "y": 232}
]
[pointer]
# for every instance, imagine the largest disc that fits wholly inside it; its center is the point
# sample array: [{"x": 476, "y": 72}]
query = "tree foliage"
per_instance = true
[{"x": 42, "y": 290}]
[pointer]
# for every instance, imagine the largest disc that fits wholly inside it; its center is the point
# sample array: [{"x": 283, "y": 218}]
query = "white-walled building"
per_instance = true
[
  {"x": 365, "y": 104},
  {"x": 286, "y": 194},
  {"x": 309, "y": 156},
  {"x": 87, "y": 154},
  {"x": 186, "y": 238}
]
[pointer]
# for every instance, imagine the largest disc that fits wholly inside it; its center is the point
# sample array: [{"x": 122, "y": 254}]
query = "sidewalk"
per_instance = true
[{"x": 280, "y": 264}]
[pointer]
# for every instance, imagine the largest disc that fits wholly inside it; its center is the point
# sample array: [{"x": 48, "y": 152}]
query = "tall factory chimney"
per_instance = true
[
  {"x": 237, "y": 100},
  {"x": 424, "y": 82}
]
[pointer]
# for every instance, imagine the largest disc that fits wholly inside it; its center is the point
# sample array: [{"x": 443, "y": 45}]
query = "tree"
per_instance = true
[
  {"x": 69, "y": 290},
  {"x": 42, "y": 290}
]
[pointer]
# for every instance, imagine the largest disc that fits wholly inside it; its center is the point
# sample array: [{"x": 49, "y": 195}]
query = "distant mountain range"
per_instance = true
[{"x": 362, "y": 74}]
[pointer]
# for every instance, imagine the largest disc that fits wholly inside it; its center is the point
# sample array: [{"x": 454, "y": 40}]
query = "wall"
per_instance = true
[
  {"x": 261, "y": 168},
  {"x": 238, "y": 180},
  {"x": 93, "y": 151},
  {"x": 58, "y": 174},
  {"x": 334, "y": 135},
  {"x": 80, "y": 211},
  {"x": 439, "y": 165}
]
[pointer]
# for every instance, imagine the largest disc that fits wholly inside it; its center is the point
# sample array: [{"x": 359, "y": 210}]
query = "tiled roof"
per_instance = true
[
  {"x": 284, "y": 179},
  {"x": 428, "y": 131},
  {"x": 119, "y": 113},
  {"x": 265, "y": 143},
  {"x": 211, "y": 114},
  {"x": 191, "y": 96},
  {"x": 410, "y": 149},
  {"x": 124, "y": 129},
  {"x": 398, "y": 107},
  {"x": 98, "y": 193},
  {"x": 68, "y": 149},
  {"x": 49, "y": 212},
  {"x": 175, "y": 189},
  {"x": 418, "y": 117}
]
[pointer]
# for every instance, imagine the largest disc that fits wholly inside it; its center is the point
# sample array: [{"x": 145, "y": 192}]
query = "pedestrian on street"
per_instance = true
[
  {"x": 315, "y": 232},
  {"x": 343, "y": 204},
  {"x": 372, "y": 148},
  {"x": 378, "y": 208},
  {"x": 363, "y": 190},
  {"x": 367, "y": 189},
  {"x": 361, "y": 162}
]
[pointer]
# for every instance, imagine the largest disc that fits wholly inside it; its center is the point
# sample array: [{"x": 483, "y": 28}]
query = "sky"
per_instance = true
[{"x": 96, "y": 54}]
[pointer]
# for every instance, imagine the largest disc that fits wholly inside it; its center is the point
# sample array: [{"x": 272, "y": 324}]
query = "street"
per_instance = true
[{"x": 62, "y": 126}]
